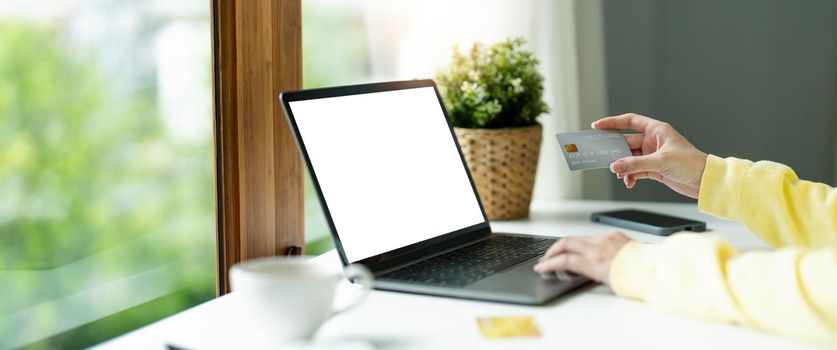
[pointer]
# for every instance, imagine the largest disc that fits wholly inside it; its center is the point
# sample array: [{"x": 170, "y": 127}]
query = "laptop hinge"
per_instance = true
[{"x": 423, "y": 250}]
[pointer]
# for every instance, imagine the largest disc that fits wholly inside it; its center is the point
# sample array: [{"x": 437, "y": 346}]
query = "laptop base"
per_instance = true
[{"x": 516, "y": 285}]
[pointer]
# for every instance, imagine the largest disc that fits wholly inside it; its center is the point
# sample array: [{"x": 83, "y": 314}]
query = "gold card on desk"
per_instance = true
[{"x": 508, "y": 327}]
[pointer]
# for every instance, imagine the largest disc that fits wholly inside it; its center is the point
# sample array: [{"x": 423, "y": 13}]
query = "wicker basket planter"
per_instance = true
[{"x": 503, "y": 164}]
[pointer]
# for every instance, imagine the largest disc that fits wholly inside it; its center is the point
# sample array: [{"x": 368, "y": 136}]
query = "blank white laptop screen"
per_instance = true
[{"x": 388, "y": 168}]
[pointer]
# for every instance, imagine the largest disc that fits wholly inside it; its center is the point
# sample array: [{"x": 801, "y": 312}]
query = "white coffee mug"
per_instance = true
[{"x": 289, "y": 298}]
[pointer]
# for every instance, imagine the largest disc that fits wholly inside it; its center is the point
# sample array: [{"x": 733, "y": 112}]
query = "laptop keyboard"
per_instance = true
[{"x": 466, "y": 265}]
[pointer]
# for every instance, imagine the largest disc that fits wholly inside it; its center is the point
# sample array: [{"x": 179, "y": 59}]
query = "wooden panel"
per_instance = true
[
  {"x": 257, "y": 54},
  {"x": 290, "y": 188}
]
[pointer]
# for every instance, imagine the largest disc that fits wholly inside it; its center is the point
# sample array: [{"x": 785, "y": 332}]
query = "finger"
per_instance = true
[
  {"x": 647, "y": 175},
  {"x": 630, "y": 181},
  {"x": 635, "y": 164},
  {"x": 634, "y": 140},
  {"x": 568, "y": 244},
  {"x": 563, "y": 262},
  {"x": 636, "y": 152},
  {"x": 625, "y": 121}
]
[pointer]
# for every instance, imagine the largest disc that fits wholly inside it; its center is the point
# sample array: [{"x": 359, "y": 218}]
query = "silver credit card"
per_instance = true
[{"x": 592, "y": 149}]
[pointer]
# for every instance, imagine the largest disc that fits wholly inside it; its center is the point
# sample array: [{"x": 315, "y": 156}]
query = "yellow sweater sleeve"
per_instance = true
[
  {"x": 769, "y": 198},
  {"x": 791, "y": 291}
]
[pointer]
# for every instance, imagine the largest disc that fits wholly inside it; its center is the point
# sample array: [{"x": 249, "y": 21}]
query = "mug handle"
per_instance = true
[{"x": 363, "y": 277}]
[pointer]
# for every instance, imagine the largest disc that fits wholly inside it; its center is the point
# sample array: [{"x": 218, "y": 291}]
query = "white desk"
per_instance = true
[{"x": 591, "y": 318}]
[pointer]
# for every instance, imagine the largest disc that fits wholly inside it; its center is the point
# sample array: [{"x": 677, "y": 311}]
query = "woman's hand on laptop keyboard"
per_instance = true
[{"x": 590, "y": 256}]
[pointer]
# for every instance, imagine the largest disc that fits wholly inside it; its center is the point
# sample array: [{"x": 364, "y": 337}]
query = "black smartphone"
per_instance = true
[{"x": 649, "y": 222}]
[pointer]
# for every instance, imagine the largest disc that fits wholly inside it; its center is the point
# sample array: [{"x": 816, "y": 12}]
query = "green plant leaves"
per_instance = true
[{"x": 495, "y": 86}]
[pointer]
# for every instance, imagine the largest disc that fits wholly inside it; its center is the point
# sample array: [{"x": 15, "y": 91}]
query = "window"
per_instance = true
[
  {"x": 330, "y": 56},
  {"x": 106, "y": 167}
]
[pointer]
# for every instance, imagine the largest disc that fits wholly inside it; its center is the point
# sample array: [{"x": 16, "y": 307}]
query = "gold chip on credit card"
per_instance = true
[
  {"x": 507, "y": 327},
  {"x": 571, "y": 148}
]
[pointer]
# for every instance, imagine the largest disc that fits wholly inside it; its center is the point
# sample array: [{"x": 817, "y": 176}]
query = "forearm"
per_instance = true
[
  {"x": 704, "y": 277},
  {"x": 770, "y": 199}
]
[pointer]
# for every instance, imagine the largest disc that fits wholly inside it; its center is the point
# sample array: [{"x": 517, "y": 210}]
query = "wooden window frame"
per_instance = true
[{"x": 257, "y": 53}]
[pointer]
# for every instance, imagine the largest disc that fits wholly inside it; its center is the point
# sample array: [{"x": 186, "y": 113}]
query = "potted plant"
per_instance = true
[{"x": 493, "y": 95}]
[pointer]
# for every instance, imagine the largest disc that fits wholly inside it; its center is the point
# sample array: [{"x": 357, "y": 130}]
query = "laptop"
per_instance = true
[{"x": 400, "y": 200}]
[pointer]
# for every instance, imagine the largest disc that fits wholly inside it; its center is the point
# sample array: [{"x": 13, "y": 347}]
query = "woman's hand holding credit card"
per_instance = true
[{"x": 657, "y": 152}]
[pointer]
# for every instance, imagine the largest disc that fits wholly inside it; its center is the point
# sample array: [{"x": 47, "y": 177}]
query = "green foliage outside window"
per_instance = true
[{"x": 84, "y": 173}]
